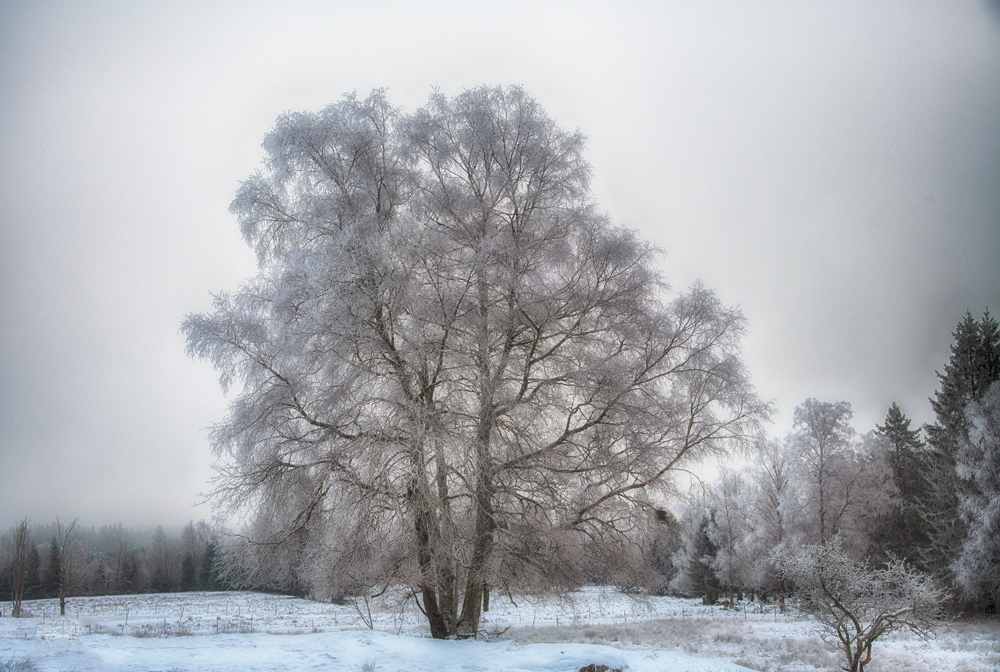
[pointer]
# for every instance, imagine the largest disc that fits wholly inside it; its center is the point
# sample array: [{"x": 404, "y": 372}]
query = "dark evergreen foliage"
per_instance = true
[
  {"x": 702, "y": 574},
  {"x": 114, "y": 560},
  {"x": 50, "y": 583},
  {"x": 189, "y": 573},
  {"x": 6, "y": 579},
  {"x": 667, "y": 541},
  {"x": 207, "y": 578},
  {"x": 32, "y": 580},
  {"x": 973, "y": 366},
  {"x": 903, "y": 531}
]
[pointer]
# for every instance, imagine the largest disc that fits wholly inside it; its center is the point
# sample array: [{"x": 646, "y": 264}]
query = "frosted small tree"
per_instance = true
[
  {"x": 696, "y": 558},
  {"x": 857, "y": 605},
  {"x": 451, "y": 364},
  {"x": 68, "y": 560},
  {"x": 977, "y": 569},
  {"x": 17, "y": 550}
]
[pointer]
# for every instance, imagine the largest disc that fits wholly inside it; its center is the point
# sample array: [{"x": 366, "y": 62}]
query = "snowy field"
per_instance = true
[{"x": 230, "y": 631}]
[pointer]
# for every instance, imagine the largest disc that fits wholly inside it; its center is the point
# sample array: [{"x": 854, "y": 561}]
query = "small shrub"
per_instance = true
[
  {"x": 728, "y": 637},
  {"x": 143, "y": 631},
  {"x": 856, "y": 605},
  {"x": 99, "y": 629}
]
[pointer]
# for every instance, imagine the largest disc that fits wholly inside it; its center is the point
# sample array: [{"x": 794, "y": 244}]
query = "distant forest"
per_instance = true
[{"x": 69, "y": 560}]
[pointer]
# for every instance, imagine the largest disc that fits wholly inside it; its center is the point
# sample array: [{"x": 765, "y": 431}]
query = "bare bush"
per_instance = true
[{"x": 857, "y": 605}]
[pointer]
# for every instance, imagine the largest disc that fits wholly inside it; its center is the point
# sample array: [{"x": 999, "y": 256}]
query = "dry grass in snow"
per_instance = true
[{"x": 753, "y": 636}]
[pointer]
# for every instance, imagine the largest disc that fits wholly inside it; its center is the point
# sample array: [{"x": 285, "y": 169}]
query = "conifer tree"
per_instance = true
[
  {"x": 52, "y": 574},
  {"x": 189, "y": 573},
  {"x": 703, "y": 556},
  {"x": 207, "y": 579},
  {"x": 902, "y": 531},
  {"x": 32, "y": 579},
  {"x": 697, "y": 575},
  {"x": 977, "y": 568},
  {"x": 905, "y": 443},
  {"x": 974, "y": 365}
]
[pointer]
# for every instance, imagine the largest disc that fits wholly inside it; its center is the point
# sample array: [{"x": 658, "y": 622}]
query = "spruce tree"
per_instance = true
[
  {"x": 989, "y": 354},
  {"x": 977, "y": 568},
  {"x": 207, "y": 579},
  {"x": 53, "y": 575},
  {"x": 702, "y": 554},
  {"x": 32, "y": 579},
  {"x": 902, "y": 531},
  {"x": 904, "y": 443},
  {"x": 189, "y": 573},
  {"x": 966, "y": 378},
  {"x": 973, "y": 366}
]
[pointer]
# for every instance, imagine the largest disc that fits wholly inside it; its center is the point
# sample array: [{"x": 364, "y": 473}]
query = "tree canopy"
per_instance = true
[{"x": 452, "y": 371}]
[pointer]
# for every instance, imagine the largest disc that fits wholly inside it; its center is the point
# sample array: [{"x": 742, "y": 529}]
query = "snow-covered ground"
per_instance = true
[{"x": 251, "y": 631}]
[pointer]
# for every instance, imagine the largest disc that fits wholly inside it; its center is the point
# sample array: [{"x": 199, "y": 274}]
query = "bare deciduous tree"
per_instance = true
[
  {"x": 857, "y": 605},
  {"x": 731, "y": 531},
  {"x": 823, "y": 439},
  {"x": 452, "y": 370},
  {"x": 72, "y": 562},
  {"x": 17, "y": 550},
  {"x": 841, "y": 481}
]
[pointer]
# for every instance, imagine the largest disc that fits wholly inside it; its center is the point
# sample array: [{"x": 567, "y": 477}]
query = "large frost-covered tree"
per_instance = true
[
  {"x": 451, "y": 368},
  {"x": 773, "y": 513},
  {"x": 977, "y": 569},
  {"x": 974, "y": 365}
]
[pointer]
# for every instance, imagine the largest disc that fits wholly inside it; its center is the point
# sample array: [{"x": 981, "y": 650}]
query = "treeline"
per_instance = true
[
  {"x": 60, "y": 560},
  {"x": 931, "y": 497}
]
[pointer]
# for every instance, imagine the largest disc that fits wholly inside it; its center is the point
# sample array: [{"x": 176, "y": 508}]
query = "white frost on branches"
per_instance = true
[
  {"x": 452, "y": 371},
  {"x": 977, "y": 569},
  {"x": 857, "y": 605}
]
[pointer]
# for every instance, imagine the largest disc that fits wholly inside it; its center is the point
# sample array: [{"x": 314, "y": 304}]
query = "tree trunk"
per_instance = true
[
  {"x": 436, "y": 620},
  {"x": 423, "y": 526},
  {"x": 19, "y": 568},
  {"x": 444, "y": 561},
  {"x": 482, "y": 549},
  {"x": 468, "y": 623}
]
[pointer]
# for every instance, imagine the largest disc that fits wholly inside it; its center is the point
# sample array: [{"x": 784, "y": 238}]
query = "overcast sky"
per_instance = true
[{"x": 833, "y": 168}]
